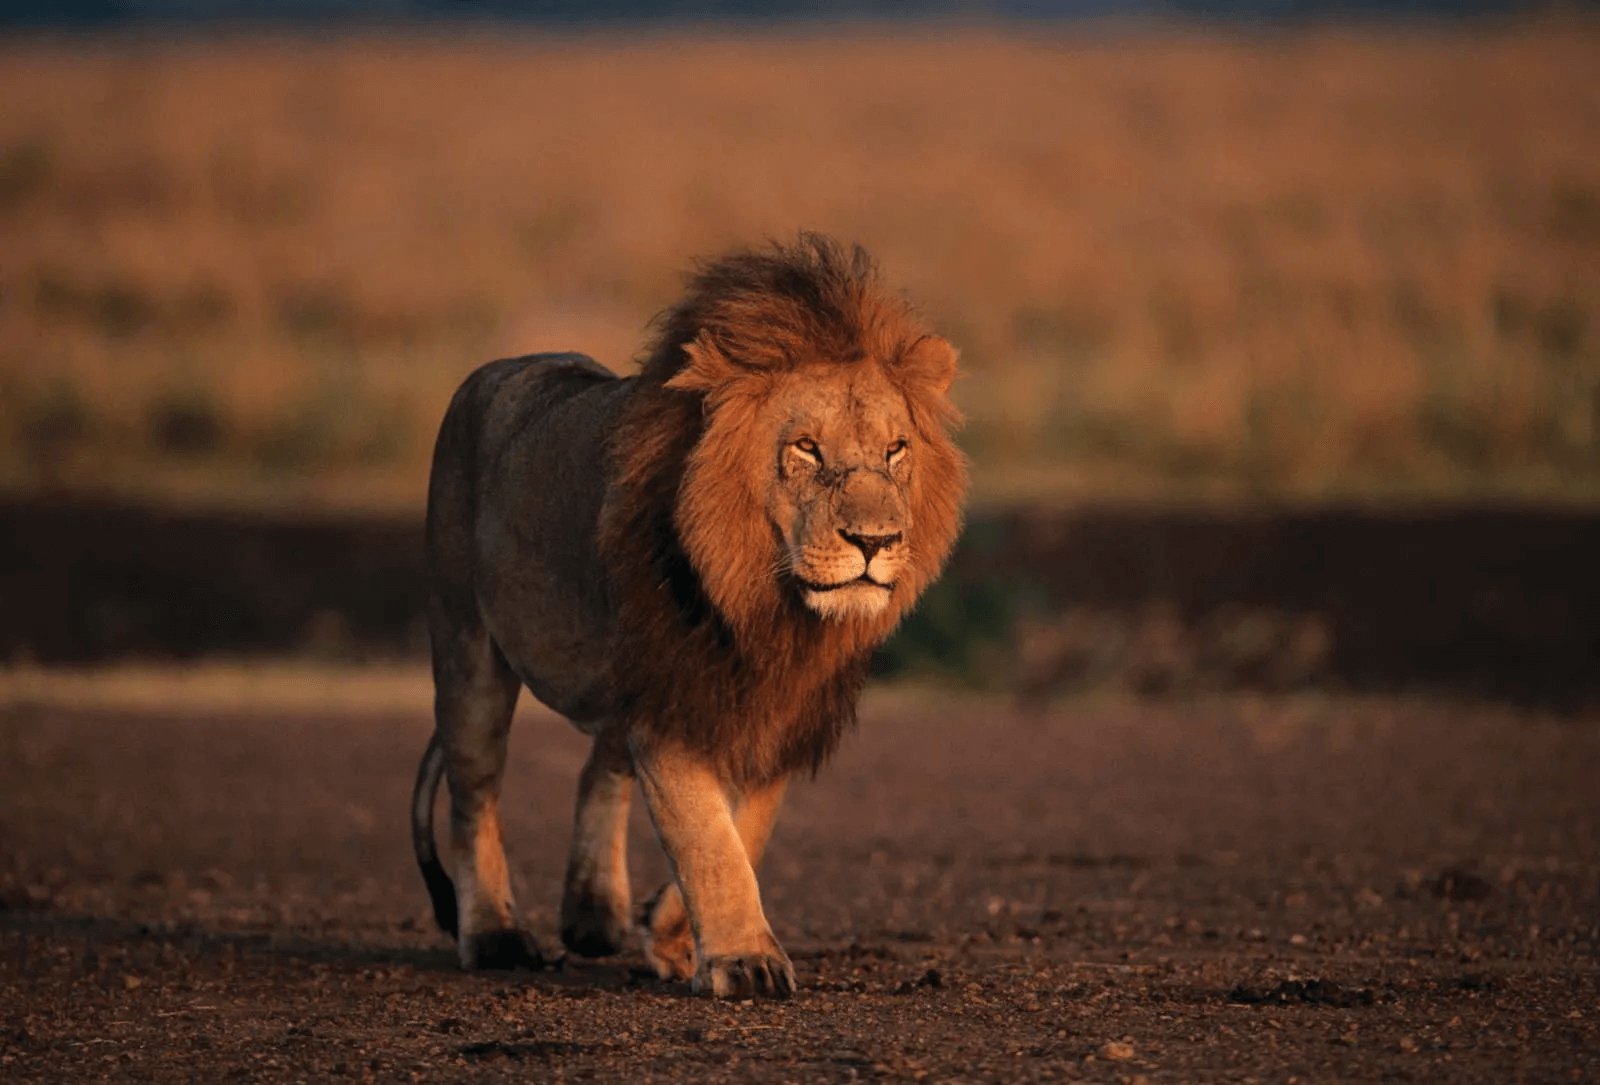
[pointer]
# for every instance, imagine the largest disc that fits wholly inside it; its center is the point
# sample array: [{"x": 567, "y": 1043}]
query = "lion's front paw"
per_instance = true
[
  {"x": 664, "y": 930},
  {"x": 506, "y": 948},
  {"x": 752, "y": 975}
]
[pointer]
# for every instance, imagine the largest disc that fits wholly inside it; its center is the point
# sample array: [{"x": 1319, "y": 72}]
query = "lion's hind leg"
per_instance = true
[
  {"x": 475, "y": 693},
  {"x": 596, "y": 896}
]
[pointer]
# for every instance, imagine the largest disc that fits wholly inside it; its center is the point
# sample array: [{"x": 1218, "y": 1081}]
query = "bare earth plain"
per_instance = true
[{"x": 1115, "y": 890}]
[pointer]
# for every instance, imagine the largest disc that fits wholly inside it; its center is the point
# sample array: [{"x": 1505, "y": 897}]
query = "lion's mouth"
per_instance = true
[{"x": 862, "y": 581}]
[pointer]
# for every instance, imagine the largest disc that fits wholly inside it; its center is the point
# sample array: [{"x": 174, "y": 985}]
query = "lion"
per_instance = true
[{"x": 693, "y": 565}]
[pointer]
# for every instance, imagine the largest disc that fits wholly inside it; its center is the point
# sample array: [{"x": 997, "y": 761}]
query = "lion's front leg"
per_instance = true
[
  {"x": 735, "y": 953},
  {"x": 664, "y": 921}
]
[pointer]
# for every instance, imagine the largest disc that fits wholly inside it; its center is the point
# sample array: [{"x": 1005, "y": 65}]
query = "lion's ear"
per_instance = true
[
  {"x": 931, "y": 362},
  {"x": 707, "y": 369}
]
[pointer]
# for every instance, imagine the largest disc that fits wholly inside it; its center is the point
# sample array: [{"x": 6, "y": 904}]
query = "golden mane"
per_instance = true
[{"x": 711, "y": 651}]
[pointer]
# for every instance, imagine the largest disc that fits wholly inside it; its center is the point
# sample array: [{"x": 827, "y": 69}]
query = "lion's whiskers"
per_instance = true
[{"x": 781, "y": 565}]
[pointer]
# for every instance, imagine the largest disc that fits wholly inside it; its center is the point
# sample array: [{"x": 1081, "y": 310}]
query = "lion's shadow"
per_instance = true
[{"x": 199, "y": 943}]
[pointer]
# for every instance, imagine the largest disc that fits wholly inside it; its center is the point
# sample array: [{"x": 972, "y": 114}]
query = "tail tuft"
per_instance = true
[{"x": 443, "y": 894}]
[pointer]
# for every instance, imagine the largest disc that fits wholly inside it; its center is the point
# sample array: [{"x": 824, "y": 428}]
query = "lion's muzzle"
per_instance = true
[
  {"x": 854, "y": 576},
  {"x": 853, "y": 546}
]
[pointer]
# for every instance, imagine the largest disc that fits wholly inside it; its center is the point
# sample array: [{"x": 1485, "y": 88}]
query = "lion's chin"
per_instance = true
[{"x": 858, "y": 599}]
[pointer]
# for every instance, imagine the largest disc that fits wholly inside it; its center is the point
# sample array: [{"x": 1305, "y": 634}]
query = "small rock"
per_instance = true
[{"x": 1116, "y": 1050}]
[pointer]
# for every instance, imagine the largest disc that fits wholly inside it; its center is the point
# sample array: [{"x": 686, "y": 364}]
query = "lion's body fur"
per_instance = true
[
  {"x": 606, "y": 540},
  {"x": 526, "y": 438}
]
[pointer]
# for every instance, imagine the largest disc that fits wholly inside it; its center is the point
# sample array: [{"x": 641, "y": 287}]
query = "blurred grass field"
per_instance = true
[{"x": 1296, "y": 265}]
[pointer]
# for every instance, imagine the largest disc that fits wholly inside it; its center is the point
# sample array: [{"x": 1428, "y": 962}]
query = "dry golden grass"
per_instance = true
[{"x": 1301, "y": 264}]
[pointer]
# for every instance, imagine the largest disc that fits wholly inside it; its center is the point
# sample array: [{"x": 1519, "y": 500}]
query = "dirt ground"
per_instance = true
[{"x": 1114, "y": 890}]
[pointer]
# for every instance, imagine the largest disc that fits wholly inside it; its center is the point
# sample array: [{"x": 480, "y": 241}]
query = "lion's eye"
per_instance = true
[
  {"x": 808, "y": 448},
  {"x": 896, "y": 450}
]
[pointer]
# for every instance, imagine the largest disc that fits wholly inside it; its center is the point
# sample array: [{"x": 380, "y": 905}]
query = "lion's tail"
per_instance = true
[{"x": 440, "y": 890}]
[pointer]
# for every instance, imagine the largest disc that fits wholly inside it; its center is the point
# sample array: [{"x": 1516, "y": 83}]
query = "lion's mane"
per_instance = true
[{"x": 711, "y": 651}]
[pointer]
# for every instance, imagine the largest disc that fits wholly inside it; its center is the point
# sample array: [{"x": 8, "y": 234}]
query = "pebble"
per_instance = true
[{"x": 1116, "y": 1050}]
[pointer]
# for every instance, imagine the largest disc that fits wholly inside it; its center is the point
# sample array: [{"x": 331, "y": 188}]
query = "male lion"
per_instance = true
[{"x": 693, "y": 565}]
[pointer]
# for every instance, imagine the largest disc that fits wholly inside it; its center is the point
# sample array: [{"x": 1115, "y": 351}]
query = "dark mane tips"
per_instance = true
[{"x": 769, "y": 309}]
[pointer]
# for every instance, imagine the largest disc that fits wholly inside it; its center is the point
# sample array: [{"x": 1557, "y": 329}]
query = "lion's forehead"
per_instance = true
[{"x": 854, "y": 408}]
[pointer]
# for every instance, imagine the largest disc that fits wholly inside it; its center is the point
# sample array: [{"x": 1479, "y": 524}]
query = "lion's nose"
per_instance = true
[{"x": 870, "y": 544}]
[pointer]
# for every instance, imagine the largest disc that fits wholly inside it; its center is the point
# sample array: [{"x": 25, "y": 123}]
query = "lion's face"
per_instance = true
[
  {"x": 842, "y": 457},
  {"x": 834, "y": 483}
]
